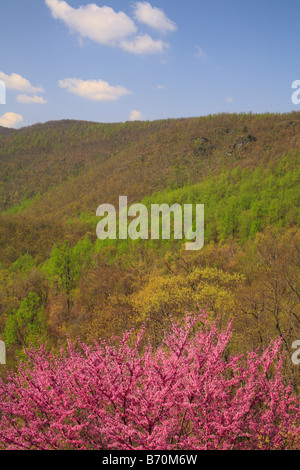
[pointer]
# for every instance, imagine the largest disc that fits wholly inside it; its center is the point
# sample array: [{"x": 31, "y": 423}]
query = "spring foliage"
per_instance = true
[{"x": 186, "y": 394}]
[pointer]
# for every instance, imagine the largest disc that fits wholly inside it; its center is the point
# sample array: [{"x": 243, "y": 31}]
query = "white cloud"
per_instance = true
[
  {"x": 228, "y": 99},
  {"x": 160, "y": 87},
  {"x": 200, "y": 52},
  {"x": 10, "y": 120},
  {"x": 100, "y": 24},
  {"x": 144, "y": 45},
  {"x": 27, "y": 99},
  {"x": 96, "y": 90},
  {"x": 135, "y": 115},
  {"x": 106, "y": 27},
  {"x": 154, "y": 17},
  {"x": 19, "y": 83}
]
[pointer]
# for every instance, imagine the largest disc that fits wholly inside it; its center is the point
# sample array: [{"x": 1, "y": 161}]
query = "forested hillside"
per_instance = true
[{"x": 57, "y": 280}]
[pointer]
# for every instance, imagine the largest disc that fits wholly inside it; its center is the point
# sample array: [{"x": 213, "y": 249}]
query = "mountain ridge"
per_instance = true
[{"x": 52, "y": 173}]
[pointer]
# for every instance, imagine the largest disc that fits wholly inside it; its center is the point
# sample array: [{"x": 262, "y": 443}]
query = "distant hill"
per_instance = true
[
  {"x": 6, "y": 131},
  {"x": 55, "y": 171}
]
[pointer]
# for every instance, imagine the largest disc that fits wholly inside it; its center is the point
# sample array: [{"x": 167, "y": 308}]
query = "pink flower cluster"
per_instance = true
[{"x": 185, "y": 395}]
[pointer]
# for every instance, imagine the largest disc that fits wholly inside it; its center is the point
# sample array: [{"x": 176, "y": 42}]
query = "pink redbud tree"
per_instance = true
[{"x": 185, "y": 395}]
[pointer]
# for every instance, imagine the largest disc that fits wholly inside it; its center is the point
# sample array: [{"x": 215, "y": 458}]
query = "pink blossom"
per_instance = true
[{"x": 185, "y": 395}]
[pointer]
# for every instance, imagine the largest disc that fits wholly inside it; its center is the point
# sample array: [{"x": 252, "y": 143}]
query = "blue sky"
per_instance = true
[{"x": 113, "y": 60}]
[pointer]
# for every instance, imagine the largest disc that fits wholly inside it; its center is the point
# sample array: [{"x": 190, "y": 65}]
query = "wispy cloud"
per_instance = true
[
  {"x": 154, "y": 17},
  {"x": 106, "y": 27},
  {"x": 96, "y": 90},
  {"x": 229, "y": 99},
  {"x": 144, "y": 45},
  {"x": 11, "y": 120},
  {"x": 200, "y": 53},
  {"x": 19, "y": 83},
  {"x": 28, "y": 99}
]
